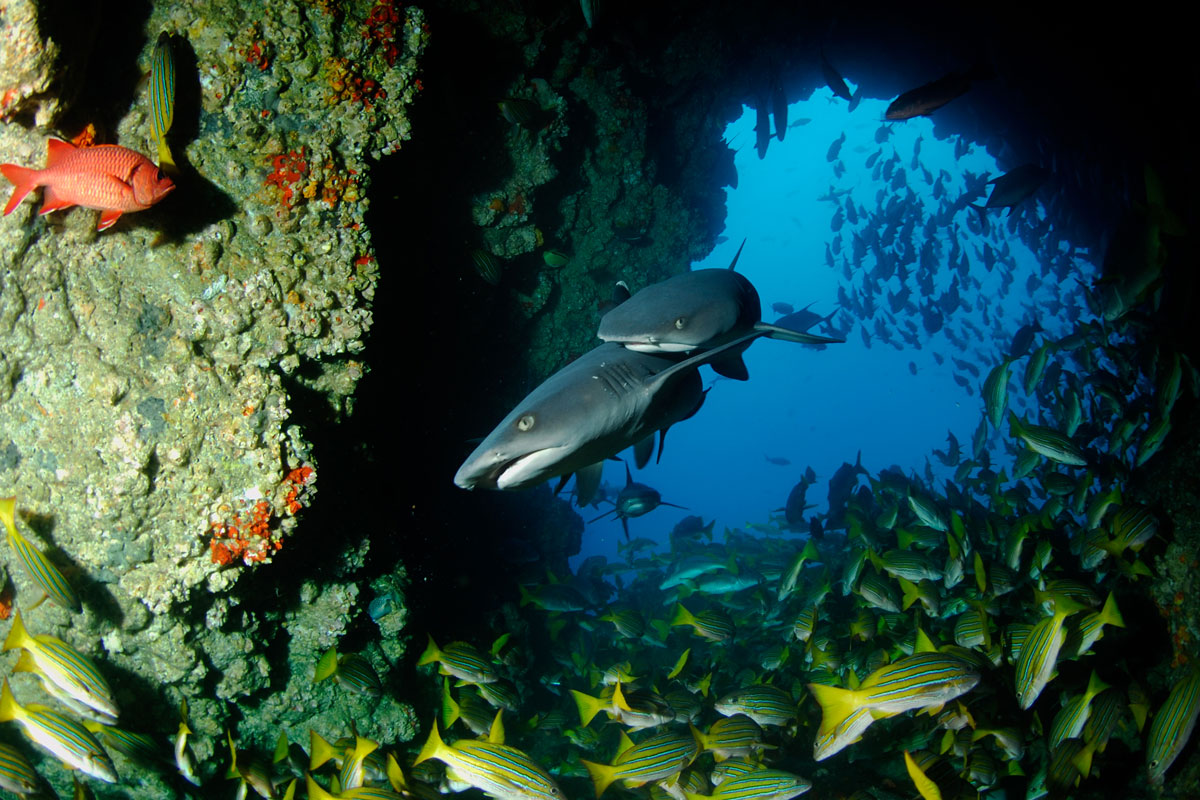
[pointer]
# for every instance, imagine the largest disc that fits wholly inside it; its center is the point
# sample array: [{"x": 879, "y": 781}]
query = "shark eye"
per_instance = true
[
  {"x": 525, "y": 422},
  {"x": 679, "y": 323}
]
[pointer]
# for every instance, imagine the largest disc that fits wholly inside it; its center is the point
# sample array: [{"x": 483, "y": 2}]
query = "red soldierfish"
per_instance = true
[{"x": 106, "y": 177}]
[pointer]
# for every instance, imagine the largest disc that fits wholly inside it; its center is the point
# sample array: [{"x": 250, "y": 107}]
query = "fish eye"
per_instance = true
[
  {"x": 525, "y": 422},
  {"x": 679, "y": 323}
]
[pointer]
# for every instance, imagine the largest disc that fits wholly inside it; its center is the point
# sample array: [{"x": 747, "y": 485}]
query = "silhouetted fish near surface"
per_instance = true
[
  {"x": 608, "y": 399},
  {"x": 926, "y": 99},
  {"x": 762, "y": 128},
  {"x": 1014, "y": 187},
  {"x": 834, "y": 79},
  {"x": 782, "y": 308},
  {"x": 793, "y": 510},
  {"x": 841, "y": 485},
  {"x": 835, "y": 147},
  {"x": 777, "y": 461}
]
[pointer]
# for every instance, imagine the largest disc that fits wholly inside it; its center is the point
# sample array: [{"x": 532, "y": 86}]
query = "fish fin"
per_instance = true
[
  {"x": 643, "y": 450},
  {"x": 737, "y": 255},
  {"x": 731, "y": 366},
  {"x": 326, "y": 666},
  {"x": 788, "y": 335},
  {"x": 434, "y": 747},
  {"x": 496, "y": 732},
  {"x": 925, "y": 785},
  {"x": 165, "y": 161},
  {"x": 8, "y": 704},
  {"x": 836, "y": 705},
  {"x": 587, "y": 481},
  {"x": 625, "y": 526},
  {"x": 25, "y": 663},
  {"x": 450, "y": 709},
  {"x": 52, "y": 202},
  {"x": 319, "y": 748},
  {"x": 431, "y": 654},
  {"x": 587, "y": 706},
  {"x": 107, "y": 219},
  {"x": 682, "y": 616},
  {"x": 56, "y": 150},
  {"x": 602, "y": 775},
  {"x": 23, "y": 179},
  {"x": 18, "y": 636},
  {"x": 1109, "y": 615}
]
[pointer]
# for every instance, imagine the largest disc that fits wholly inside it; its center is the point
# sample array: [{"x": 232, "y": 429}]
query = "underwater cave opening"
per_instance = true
[{"x": 869, "y": 225}]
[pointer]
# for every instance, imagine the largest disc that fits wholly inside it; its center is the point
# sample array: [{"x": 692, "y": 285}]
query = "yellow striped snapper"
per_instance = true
[
  {"x": 731, "y": 736},
  {"x": 17, "y": 775},
  {"x": 1047, "y": 442},
  {"x": 501, "y": 771},
  {"x": 995, "y": 393},
  {"x": 877, "y": 592},
  {"x": 910, "y": 565},
  {"x": 1072, "y": 717},
  {"x": 352, "y": 671},
  {"x": 1172, "y": 726},
  {"x": 65, "y": 672},
  {"x": 1091, "y": 627},
  {"x": 1039, "y": 653},
  {"x": 1132, "y": 526},
  {"x": 44, "y": 574},
  {"x": 1007, "y": 739},
  {"x": 464, "y": 661},
  {"x": 732, "y": 767},
  {"x": 657, "y": 758},
  {"x": 917, "y": 681},
  {"x": 251, "y": 773},
  {"x": 761, "y": 784},
  {"x": 802, "y": 628},
  {"x": 635, "y": 709},
  {"x": 318, "y": 792},
  {"x": 712, "y": 623},
  {"x": 766, "y": 705},
  {"x": 1108, "y": 708},
  {"x": 62, "y": 737},
  {"x": 473, "y": 711},
  {"x": 162, "y": 98},
  {"x": 842, "y": 735},
  {"x": 185, "y": 761}
]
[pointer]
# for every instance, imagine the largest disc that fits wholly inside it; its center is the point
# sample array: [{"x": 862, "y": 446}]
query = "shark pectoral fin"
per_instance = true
[
  {"x": 587, "y": 481},
  {"x": 787, "y": 335},
  {"x": 731, "y": 366},
  {"x": 643, "y": 450},
  {"x": 602, "y": 516}
]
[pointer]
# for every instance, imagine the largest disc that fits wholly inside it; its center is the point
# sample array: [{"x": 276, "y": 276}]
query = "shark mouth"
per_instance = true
[
  {"x": 495, "y": 471},
  {"x": 529, "y": 469},
  {"x": 659, "y": 347}
]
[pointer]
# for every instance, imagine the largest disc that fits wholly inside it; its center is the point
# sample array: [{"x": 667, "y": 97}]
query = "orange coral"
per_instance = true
[
  {"x": 382, "y": 29},
  {"x": 289, "y": 168},
  {"x": 251, "y": 537}
]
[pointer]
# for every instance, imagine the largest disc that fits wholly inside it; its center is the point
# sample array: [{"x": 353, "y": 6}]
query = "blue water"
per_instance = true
[{"x": 820, "y": 408}]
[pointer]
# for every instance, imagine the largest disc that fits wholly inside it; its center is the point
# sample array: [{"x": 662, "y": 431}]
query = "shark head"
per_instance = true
[
  {"x": 606, "y": 400},
  {"x": 700, "y": 309}
]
